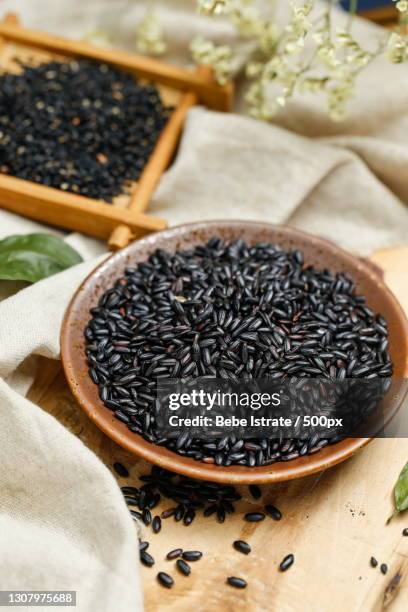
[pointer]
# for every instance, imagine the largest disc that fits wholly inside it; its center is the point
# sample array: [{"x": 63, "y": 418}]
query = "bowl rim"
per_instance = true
[{"x": 134, "y": 443}]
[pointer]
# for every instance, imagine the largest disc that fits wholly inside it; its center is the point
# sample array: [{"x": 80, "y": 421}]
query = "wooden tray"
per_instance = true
[{"x": 125, "y": 218}]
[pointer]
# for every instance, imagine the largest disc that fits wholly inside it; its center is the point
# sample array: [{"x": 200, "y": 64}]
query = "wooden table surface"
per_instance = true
[{"x": 333, "y": 522}]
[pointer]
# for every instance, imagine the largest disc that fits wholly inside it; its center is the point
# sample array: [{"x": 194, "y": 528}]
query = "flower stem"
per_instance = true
[{"x": 353, "y": 6}]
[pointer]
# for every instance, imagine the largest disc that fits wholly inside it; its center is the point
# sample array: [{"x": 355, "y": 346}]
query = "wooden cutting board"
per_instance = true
[{"x": 333, "y": 522}]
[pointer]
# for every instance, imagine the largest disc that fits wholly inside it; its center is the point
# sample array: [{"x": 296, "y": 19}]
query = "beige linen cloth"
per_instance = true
[{"x": 63, "y": 523}]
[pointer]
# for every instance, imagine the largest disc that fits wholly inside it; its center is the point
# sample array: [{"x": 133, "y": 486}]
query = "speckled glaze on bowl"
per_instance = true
[{"x": 317, "y": 251}]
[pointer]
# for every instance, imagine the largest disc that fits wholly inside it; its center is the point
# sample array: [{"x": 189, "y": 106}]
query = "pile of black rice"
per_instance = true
[
  {"x": 79, "y": 126},
  {"x": 228, "y": 310}
]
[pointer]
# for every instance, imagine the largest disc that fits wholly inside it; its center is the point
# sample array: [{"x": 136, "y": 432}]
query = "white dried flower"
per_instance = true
[
  {"x": 313, "y": 84},
  {"x": 402, "y": 6},
  {"x": 212, "y": 7},
  {"x": 150, "y": 36},
  {"x": 397, "y": 50},
  {"x": 330, "y": 62},
  {"x": 218, "y": 57},
  {"x": 99, "y": 38}
]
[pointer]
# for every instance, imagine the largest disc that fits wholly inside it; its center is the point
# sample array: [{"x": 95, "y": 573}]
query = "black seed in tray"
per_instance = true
[
  {"x": 228, "y": 309},
  {"x": 146, "y": 558},
  {"x": 192, "y": 555},
  {"x": 183, "y": 567},
  {"x": 120, "y": 469},
  {"x": 174, "y": 554},
  {"x": 405, "y": 532},
  {"x": 89, "y": 127},
  {"x": 254, "y": 517},
  {"x": 238, "y": 583},
  {"x": 242, "y": 547},
  {"x": 255, "y": 491},
  {"x": 286, "y": 563},
  {"x": 143, "y": 546},
  {"x": 156, "y": 524},
  {"x": 165, "y": 580},
  {"x": 373, "y": 562},
  {"x": 384, "y": 568},
  {"x": 274, "y": 512}
]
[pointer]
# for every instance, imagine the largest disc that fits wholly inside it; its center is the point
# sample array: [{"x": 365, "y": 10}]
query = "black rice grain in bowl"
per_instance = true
[{"x": 228, "y": 310}]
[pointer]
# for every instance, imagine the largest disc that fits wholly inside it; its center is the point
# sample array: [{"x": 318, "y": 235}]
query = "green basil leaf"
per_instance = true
[
  {"x": 401, "y": 490},
  {"x": 401, "y": 493},
  {"x": 27, "y": 266},
  {"x": 45, "y": 244}
]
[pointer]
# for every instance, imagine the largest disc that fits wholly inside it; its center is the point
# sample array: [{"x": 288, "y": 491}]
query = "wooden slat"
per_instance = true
[
  {"x": 382, "y": 14},
  {"x": 157, "y": 164},
  {"x": 71, "y": 211},
  {"x": 215, "y": 96}
]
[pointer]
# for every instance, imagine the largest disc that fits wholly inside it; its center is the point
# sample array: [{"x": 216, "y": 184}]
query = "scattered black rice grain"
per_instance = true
[
  {"x": 242, "y": 547},
  {"x": 192, "y": 496},
  {"x": 147, "y": 517},
  {"x": 79, "y": 126},
  {"x": 183, "y": 567},
  {"x": 210, "y": 510},
  {"x": 189, "y": 517},
  {"x": 165, "y": 580},
  {"x": 179, "y": 513},
  {"x": 192, "y": 555},
  {"x": 143, "y": 545},
  {"x": 136, "y": 516},
  {"x": 120, "y": 469},
  {"x": 238, "y": 583},
  {"x": 156, "y": 524},
  {"x": 384, "y": 568},
  {"x": 274, "y": 512},
  {"x": 254, "y": 517},
  {"x": 405, "y": 532},
  {"x": 255, "y": 491},
  {"x": 146, "y": 558},
  {"x": 373, "y": 562},
  {"x": 220, "y": 514},
  {"x": 229, "y": 310},
  {"x": 174, "y": 554},
  {"x": 168, "y": 513},
  {"x": 286, "y": 563}
]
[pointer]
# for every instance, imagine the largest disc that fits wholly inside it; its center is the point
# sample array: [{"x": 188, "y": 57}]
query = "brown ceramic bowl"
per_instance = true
[{"x": 317, "y": 251}]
